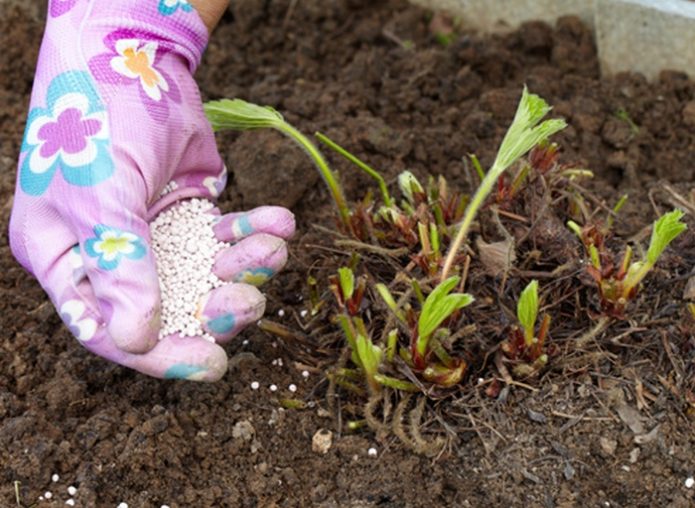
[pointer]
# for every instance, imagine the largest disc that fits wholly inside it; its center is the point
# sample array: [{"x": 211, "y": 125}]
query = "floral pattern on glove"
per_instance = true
[
  {"x": 169, "y": 7},
  {"x": 111, "y": 244},
  {"x": 72, "y": 312},
  {"x": 133, "y": 60},
  {"x": 60, "y": 7},
  {"x": 216, "y": 184},
  {"x": 71, "y": 133}
]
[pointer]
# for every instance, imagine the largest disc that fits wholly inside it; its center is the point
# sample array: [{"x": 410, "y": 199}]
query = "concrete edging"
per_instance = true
[{"x": 644, "y": 36}]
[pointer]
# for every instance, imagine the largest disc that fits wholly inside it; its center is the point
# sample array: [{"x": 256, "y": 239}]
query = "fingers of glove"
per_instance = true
[
  {"x": 273, "y": 220},
  {"x": 227, "y": 310},
  {"x": 192, "y": 358},
  {"x": 252, "y": 260},
  {"x": 121, "y": 269}
]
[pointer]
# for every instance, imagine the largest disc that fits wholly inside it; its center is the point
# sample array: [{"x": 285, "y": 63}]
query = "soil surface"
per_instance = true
[{"x": 607, "y": 425}]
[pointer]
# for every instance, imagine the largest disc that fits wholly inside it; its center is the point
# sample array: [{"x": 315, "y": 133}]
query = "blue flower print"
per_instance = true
[
  {"x": 169, "y": 7},
  {"x": 71, "y": 133},
  {"x": 111, "y": 244}
]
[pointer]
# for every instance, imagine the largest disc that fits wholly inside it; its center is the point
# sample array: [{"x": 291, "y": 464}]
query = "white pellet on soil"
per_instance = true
[
  {"x": 47, "y": 495},
  {"x": 55, "y": 478},
  {"x": 293, "y": 388},
  {"x": 273, "y": 388},
  {"x": 70, "y": 502},
  {"x": 689, "y": 482},
  {"x": 255, "y": 385},
  {"x": 72, "y": 490},
  {"x": 184, "y": 245},
  {"x": 372, "y": 452}
]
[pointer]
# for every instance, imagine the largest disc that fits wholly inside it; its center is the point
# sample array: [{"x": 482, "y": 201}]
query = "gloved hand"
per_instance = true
[{"x": 116, "y": 133}]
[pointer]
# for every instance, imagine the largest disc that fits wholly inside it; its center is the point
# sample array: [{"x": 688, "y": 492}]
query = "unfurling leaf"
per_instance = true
[{"x": 527, "y": 310}]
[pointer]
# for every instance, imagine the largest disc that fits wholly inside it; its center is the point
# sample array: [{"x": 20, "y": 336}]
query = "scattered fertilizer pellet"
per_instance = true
[
  {"x": 55, "y": 478},
  {"x": 255, "y": 385},
  {"x": 304, "y": 313},
  {"x": 122, "y": 505},
  {"x": 164, "y": 506},
  {"x": 689, "y": 482},
  {"x": 185, "y": 245},
  {"x": 281, "y": 313},
  {"x": 72, "y": 490},
  {"x": 70, "y": 502},
  {"x": 273, "y": 388},
  {"x": 372, "y": 452},
  {"x": 293, "y": 388},
  {"x": 48, "y": 494},
  {"x": 305, "y": 374}
]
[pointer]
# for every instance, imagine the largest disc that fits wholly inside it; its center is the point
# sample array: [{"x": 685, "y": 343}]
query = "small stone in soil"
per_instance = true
[{"x": 322, "y": 441}]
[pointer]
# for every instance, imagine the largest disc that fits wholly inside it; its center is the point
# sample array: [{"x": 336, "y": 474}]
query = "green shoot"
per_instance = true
[
  {"x": 595, "y": 257},
  {"x": 388, "y": 200},
  {"x": 240, "y": 115},
  {"x": 623, "y": 115},
  {"x": 390, "y": 302},
  {"x": 410, "y": 186},
  {"x": 369, "y": 359},
  {"x": 665, "y": 230},
  {"x": 527, "y": 311},
  {"x": 396, "y": 384},
  {"x": 576, "y": 229},
  {"x": 347, "y": 282},
  {"x": 391, "y": 344},
  {"x": 439, "y": 305},
  {"x": 618, "y": 206},
  {"x": 478, "y": 167},
  {"x": 525, "y": 132}
]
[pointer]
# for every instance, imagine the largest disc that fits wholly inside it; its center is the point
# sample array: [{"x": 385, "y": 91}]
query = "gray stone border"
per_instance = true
[{"x": 644, "y": 36}]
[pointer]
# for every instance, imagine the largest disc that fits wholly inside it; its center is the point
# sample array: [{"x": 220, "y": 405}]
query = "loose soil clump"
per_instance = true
[{"x": 610, "y": 421}]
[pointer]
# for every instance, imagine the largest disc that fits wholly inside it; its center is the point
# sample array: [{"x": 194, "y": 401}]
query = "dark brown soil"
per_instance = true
[{"x": 608, "y": 425}]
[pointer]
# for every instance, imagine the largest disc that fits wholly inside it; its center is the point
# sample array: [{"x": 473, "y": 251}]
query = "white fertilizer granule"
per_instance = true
[{"x": 184, "y": 245}]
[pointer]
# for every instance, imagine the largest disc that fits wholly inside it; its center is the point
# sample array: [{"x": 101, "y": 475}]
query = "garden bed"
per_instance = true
[{"x": 607, "y": 424}]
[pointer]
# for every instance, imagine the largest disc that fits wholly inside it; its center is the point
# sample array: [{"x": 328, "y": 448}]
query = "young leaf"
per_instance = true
[
  {"x": 240, "y": 115},
  {"x": 347, "y": 282},
  {"x": 665, "y": 230},
  {"x": 370, "y": 358},
  {"x": 409, "y": 185},
  {"x": 527, "y": 310},
  {"x": 438, "y": 306},
  {"x": 524, "y": 133}
]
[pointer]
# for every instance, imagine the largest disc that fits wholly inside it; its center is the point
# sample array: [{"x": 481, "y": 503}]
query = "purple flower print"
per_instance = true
[
  {"x": 60, "y": 7},
  {"x": 70, "y": 132},
  {"x": 134, "y": 59}
]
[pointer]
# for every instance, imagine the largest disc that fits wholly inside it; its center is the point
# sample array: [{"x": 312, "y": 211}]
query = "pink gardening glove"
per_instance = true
[{"x": 115, "y": 118}]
